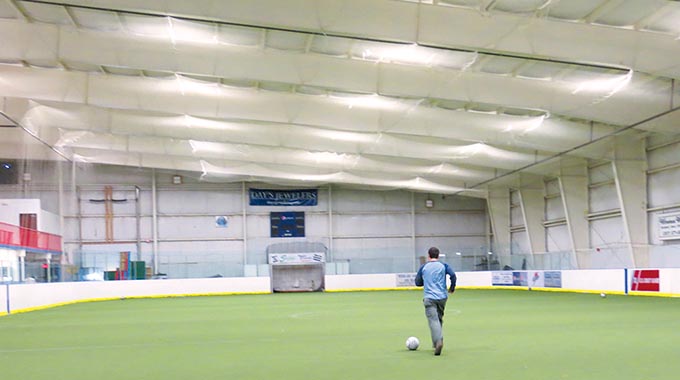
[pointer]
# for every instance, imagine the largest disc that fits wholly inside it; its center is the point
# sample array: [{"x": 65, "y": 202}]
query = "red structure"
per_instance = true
[{"x": 25, "y": 238}]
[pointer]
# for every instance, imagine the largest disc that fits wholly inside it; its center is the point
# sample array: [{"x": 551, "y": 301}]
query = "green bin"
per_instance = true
[{"x": 138, "y": 270}]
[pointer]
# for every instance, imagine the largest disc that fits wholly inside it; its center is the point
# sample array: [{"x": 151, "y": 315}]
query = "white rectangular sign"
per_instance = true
[
  {"x": 406, "y": 279},
  {"x": 669, "y": 226},
  {"x": 296, "y": 258}
]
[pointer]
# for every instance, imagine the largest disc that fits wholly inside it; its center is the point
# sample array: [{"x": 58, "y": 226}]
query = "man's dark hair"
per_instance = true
[{"x": 433, "y": 253}]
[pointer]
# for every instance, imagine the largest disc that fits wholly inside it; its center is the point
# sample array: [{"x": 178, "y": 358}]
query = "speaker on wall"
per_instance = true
[{"x": 9, "y": 172}]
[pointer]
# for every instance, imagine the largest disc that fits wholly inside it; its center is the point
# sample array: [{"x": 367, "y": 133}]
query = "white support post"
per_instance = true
[
  {"x": 499, "y": 211},
  {"x": 154, "y": 220},
  {"x": 573, "y": 181},
  {"x": 244, "y": 216},
  {"x": 330, "y": 224},
  {"x": 413, "y": 231},
  {"x": 532, "y": 200},
  {"x": 60, "y": 173},
  {"x": 629, "y": 166}
]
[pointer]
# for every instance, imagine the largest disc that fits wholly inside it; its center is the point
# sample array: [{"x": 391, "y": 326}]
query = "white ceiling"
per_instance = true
[{"x": 436, "y": 96}]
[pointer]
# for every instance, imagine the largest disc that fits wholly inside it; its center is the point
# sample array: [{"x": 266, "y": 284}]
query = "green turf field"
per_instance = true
[{"x": 501, "y": 334}]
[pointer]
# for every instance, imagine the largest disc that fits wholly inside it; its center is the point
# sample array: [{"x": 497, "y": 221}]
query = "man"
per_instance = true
[{"x": 432, "y": 275}]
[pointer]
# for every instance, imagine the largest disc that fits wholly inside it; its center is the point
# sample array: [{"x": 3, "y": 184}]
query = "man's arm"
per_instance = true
[
  {"x": 419, "y": 276},
  {"x": 453, "y": 277}
]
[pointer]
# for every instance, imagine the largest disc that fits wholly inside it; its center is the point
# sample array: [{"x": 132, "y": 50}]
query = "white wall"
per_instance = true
[
  {"x": 670, "y": 281},
  {"x": 375, "y": 231},
  {"x": 3, "y": 299},
  {"x": 599, "y": 280},
  {"x": 11, "y": 208},
  {"x": 28, "y": 296},
  {"x": 25, "y": 297}
]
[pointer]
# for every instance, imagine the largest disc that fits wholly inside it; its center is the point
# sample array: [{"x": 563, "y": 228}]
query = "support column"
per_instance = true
[
  {"x": 532, "y": 200},
  {"x": 629, "y": 166},
  {"x": 414, "y": 268},
  {"x": 330, "y": 223},
  {"x": 245, "y": 195},
  {"x": 573, "y": 182},
  {"x": 154, "y": 221},
  {"x": 498, "y": 202}
]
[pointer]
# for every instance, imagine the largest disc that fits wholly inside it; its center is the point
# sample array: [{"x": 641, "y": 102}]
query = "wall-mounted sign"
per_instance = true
[
  {"x": 287, "y": 224},
  {"x": 669, "y": 226},
  {"x": 221, "y": 221},
  {"x": 259, "y": 197},
  {"x": 297, "y": 258},
  {"x": 646, "y": 280}
]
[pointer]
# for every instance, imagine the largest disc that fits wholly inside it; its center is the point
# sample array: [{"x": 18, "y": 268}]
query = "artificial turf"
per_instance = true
[{"x": 501, "y": 334}]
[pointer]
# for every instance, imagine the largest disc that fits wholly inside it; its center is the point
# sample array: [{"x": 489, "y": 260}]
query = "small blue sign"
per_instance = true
[{"x": 221, "y": 221}]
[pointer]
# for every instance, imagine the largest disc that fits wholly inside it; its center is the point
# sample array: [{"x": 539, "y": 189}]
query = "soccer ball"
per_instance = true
[
  {"x": 412, "y": 343},
  {"x": 603, "y": 295}
]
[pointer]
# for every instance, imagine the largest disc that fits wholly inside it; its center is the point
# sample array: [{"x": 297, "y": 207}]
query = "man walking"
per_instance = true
[{"x": 432, "y": 276}]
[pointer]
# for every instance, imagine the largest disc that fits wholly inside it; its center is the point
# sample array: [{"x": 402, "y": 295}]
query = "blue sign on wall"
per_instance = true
[
  {"x": 287, "y": 224},
  {"x": 259, "y": 197},
  {"x": 553, "y": 279}
]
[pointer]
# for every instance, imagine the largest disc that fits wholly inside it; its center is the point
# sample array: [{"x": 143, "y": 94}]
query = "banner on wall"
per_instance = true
[
  {"x": 553, "y": 279},
  {"x": 260, "y": 197},
  {"x": 536, "y": 279},
  {"x": 520, "y": 279},
  {"x": 501, "y": 278},
  {"x": 406, "y": 279},
  {"x": 669, "y": 226},
  {"x": 646, "y": 280},
  {"x": 297, "y": 258}
]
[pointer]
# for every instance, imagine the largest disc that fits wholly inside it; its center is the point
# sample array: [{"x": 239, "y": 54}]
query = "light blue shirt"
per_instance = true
[{"x": 432, "y": 276}]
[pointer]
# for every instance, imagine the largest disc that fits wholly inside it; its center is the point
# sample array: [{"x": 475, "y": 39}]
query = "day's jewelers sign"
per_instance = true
[
  {"x": 669, "y": 226},
  {"x": 260, "y": 197}
]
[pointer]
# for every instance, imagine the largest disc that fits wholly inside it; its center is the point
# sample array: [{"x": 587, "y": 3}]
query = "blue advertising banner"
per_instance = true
[
  {"x": 553, "y": 279},
  {"x": 259, "y": 197},
  {"x": 519, "y": 279},
  {"x": 501, "y": 278}
]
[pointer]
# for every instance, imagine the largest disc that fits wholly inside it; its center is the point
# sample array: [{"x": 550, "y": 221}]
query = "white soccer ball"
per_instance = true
[
  {"x": 412, "y": 343},
  {"x": 603, "y": 295}
]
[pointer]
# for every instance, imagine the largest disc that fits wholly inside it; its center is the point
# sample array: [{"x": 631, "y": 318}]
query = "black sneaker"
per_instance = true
[{"x": 438, "y": 347}]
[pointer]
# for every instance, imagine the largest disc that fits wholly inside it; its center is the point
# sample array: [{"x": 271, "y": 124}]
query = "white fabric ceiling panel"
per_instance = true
[
  {"x": 293, "y": 137},
  {"x": 29, "y": 42},
  {"x": 627, "y": 14},
  {"x": 7, "y": 10},
  {"x": 398, "y": 80},
  {"x": 354, "y": 17},
  {"x": 272, "y": 135},
  {"x": 438, "y": 25},
  {"x": 47, "y": 13},
  {"x": 211, "y": 100},
  {"x": 50, "y": 84},
  {"x": 543, "y": 37},
  {"x": 429, "y": 96},
  {"x": 96, "y": 19},
  {"x": 220, "y": 60}
]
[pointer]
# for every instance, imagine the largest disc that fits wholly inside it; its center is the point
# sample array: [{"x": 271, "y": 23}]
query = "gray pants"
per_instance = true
[{"x": 434, "y": 311}]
